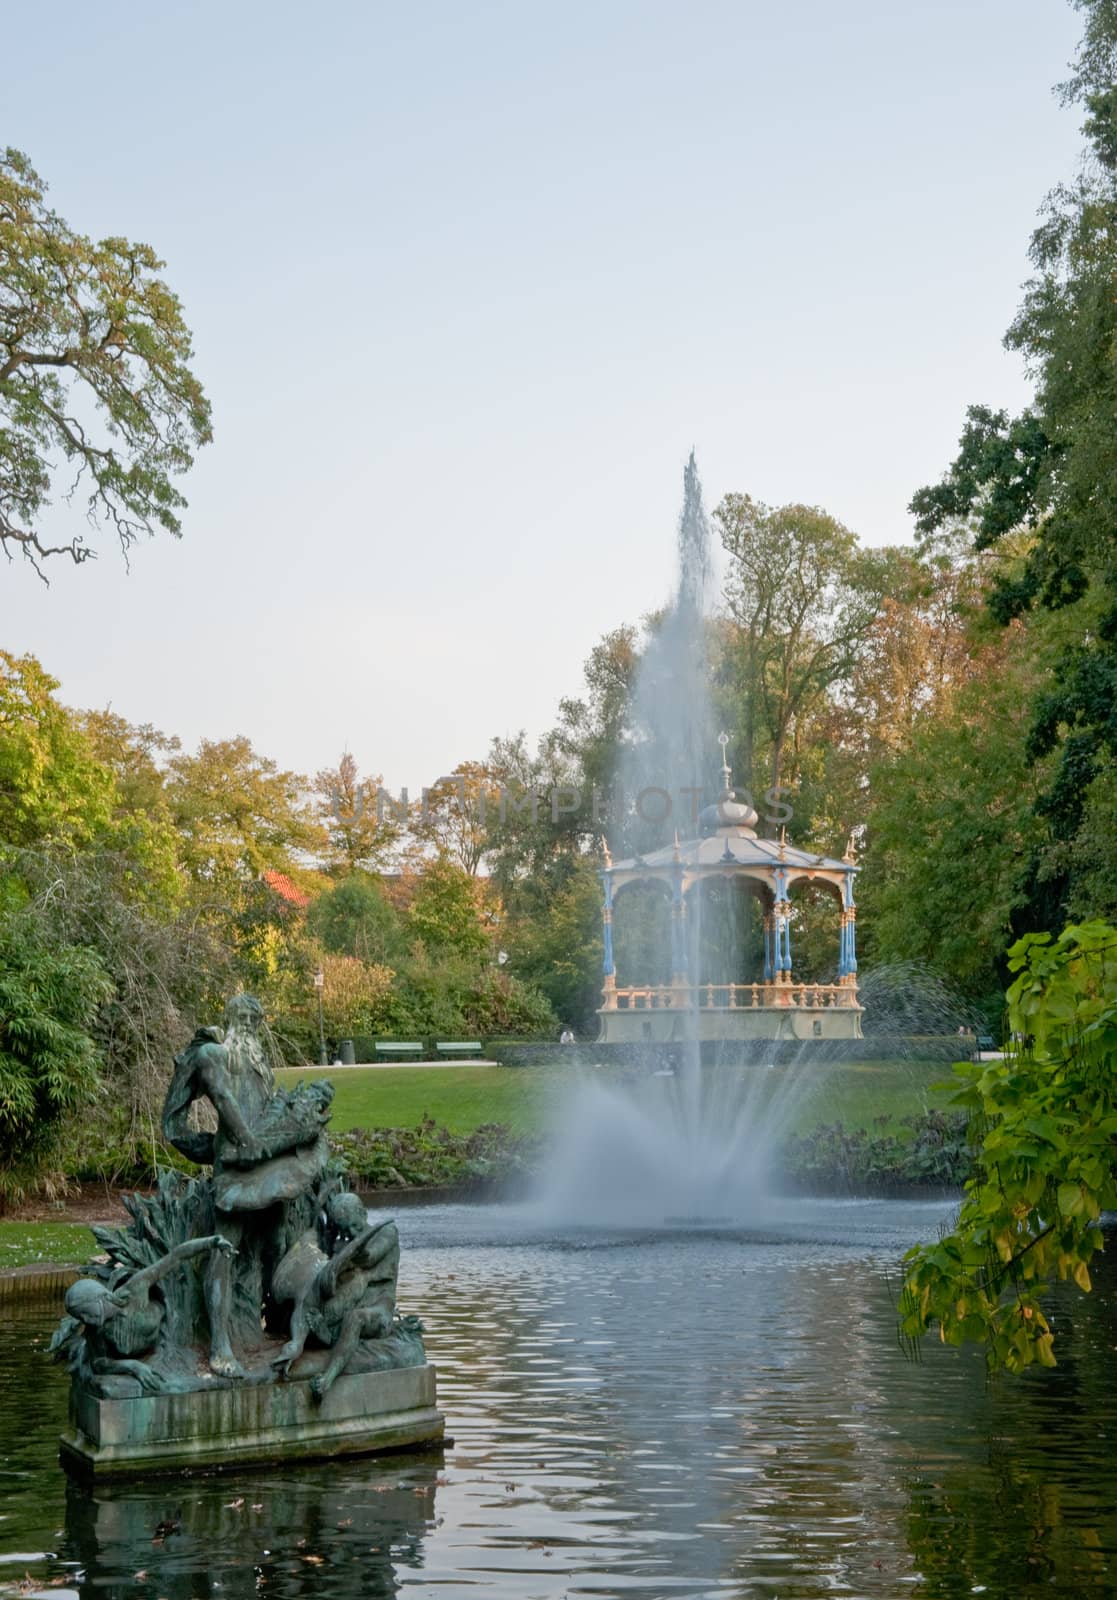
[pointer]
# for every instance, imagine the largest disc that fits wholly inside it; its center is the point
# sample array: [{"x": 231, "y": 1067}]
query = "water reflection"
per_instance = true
[
  {"x": 694, "y": 1413},
  {"x": 316, "y": 1531}
]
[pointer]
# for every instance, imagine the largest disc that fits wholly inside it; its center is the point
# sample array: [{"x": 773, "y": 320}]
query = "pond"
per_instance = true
[{"x": 698, "y": 1411}]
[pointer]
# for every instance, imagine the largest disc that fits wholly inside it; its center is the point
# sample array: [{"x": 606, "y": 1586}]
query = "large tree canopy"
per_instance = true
[
  {"x": 96, "y": 390},
  {"x": 803, "y": 595},
  {"x": 52, "y": 787},
  {"x": 1046, "y": 480},
  {"x": 238, "y": 815}
]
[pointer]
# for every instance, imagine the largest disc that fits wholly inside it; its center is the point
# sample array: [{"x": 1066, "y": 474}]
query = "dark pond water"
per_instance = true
[{"x": 699, "y": 1412}]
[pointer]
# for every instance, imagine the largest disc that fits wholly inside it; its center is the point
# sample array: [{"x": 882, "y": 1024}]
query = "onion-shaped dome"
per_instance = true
[{"x": 727, "y": 812}]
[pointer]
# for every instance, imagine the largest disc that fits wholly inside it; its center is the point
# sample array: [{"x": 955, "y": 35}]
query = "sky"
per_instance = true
[{"x": 467, "y": 283}]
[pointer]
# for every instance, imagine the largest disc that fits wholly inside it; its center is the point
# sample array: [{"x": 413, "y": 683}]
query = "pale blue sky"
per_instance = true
[{"x": 468, "y": 281}]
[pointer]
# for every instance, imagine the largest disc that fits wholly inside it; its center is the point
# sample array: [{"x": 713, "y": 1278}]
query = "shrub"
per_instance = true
[
  {"x": 933, "y": 1148},
  {"x": 49, "y": 1000}
]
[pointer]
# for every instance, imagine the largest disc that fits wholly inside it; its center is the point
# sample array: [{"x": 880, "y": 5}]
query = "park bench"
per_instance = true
[
  {"x": 393, "y": 1050},
  {"x": 459, "y": 1047},
  {"x": 984, "y": 1041}
]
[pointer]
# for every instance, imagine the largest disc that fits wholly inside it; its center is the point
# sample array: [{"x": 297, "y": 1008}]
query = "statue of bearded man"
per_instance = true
[{"x": 270, "y": 1147}]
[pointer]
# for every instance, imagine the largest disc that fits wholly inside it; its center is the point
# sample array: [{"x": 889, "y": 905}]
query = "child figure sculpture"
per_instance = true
[
  {"x": 110, "y": 1331},
  {"x": 341, "y": 1298}
]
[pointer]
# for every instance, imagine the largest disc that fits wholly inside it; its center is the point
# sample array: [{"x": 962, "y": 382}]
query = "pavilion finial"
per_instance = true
[
  {"x": 851, "y": 850},
  {"x": 783, "y": 844},
  {"x": 723, "y": 740},
  {"x": 607, "y": 854}
]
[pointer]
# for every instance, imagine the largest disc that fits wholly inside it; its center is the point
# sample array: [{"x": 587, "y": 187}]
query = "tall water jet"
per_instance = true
[
  {"x": 642, "y": 1157},
  {"x": 681, "y": 1139},
  {"x": 666, "y": 755}
]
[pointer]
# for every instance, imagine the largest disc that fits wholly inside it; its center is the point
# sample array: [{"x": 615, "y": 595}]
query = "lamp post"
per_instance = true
[{"x": 320, "y": 984}]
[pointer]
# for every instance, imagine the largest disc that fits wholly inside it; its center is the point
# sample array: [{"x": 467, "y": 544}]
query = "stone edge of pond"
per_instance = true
[
  {"x": 37, "y": 1282},
  {"x": 49, "y": 1280},
  {"x": 476, "y": 1191}
]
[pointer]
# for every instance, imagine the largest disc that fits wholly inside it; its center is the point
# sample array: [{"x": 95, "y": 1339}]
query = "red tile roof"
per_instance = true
[{"x": 281, "y": 885}]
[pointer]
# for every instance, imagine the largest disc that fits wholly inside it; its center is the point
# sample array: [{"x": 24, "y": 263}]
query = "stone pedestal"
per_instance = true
[{"x": 364, "y": 1413}]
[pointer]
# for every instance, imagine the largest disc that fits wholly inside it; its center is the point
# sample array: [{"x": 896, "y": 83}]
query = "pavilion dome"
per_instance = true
[{"x": 728, "y": 815}]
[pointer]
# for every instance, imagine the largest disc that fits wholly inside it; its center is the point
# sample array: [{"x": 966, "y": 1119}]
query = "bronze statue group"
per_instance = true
[{"x": 266, "y": 1270}]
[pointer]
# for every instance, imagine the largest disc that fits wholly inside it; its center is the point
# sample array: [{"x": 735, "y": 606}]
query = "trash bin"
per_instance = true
[{"x": 348, "y": 1054}]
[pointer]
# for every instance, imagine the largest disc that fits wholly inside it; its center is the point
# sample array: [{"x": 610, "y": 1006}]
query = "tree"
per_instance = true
[
  {"x": 447, "y": 912},
  {"x": 459, "y": 813},
  {"x": 141, "y": 828},
  {"x": 94, "y": 369},
  {"x": 355, "y": 918},
  {"x": 133, "y": 754},
  {"x": 237, "y": 816},
  {"x": 357, "y": 835},
  {"x": 1046, "y": 1116},
  {"x": 951, "y": 830},
  {"x": 538, "y": 828},
  {"x": 926, "y": 643},
  {"x": 803, "y": 597},
  {"x": 1046, "y": 480},
  {"x": 52, "y": 787},
  {"x": 556, "y": 947},
  {"x": 592, "y": 728}
]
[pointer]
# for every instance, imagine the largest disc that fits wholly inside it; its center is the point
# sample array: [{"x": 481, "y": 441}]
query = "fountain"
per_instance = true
[
  {"x": 666, "y": 757},
  {"x": 684, "y": 1140}
]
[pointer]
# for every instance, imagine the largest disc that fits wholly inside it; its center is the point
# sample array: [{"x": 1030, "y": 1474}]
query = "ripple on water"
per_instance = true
[{"x": 667, "y": 1413}]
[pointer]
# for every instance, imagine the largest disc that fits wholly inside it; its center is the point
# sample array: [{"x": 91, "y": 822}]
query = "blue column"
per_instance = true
[
  {"x": 768, "y": 931},
  {"x": 783, "y": 937},
  {"x": 679, "y": 963},
  {"x": 851, "y": 945},
  {"x": 608, "y": 968}
]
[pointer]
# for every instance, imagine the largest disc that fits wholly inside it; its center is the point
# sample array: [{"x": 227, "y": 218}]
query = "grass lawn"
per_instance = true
[
  {"x": 23, "y": 1244},
  {"x": 856, "y": 1092},
  {"x": 461, "y": 1098}
]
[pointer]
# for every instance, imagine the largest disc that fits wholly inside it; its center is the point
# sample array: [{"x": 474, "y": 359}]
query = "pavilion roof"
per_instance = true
[
  {"x": 729, "y": 838},
  {"x": 726, "y": 846}
]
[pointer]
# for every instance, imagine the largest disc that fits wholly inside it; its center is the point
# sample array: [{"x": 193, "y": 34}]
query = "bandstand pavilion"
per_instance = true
[{"x": 689, "y": 1005}]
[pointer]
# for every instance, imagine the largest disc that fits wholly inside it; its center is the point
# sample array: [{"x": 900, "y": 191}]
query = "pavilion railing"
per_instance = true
[{"x": 730, "y": 996}]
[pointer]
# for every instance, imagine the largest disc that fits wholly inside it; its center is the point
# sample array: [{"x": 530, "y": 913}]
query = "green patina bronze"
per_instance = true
[{"x": 264, "y": 1272}]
